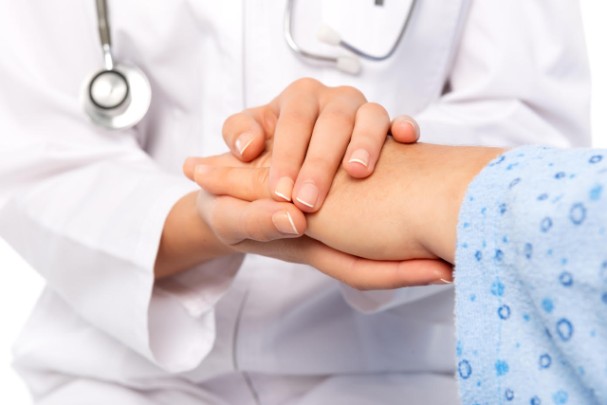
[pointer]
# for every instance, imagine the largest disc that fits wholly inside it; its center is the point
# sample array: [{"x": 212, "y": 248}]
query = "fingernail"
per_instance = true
[
  {"x": 244, "y": 141},
  {"x": 360, "y": 156},
  {"x": 411, "y": 123},
  {"x": 284, "y": 188},
  {"x": 308, "y": 194},
  {"x": 442, "y": 281},
  {"x": 284, "y": 223}
]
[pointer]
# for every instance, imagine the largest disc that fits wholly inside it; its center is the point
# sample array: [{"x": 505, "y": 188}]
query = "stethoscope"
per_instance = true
[
  {"x": 349, "y": 63},
  {"x": 119, "y": 95}
]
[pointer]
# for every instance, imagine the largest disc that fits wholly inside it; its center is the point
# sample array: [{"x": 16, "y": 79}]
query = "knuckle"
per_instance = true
[
  {"x": 374, "y": 109},
  {"x": 248, "y": 224},
  {"x": 239, "y": 122},
  {"x": 305, "y": 84},
  {"x": 351, "y": 93},
  {"x": 257, "y": 187},
  {"x": 231, "y": 122},
  {"x": 262, "y": 179},
  {"x": 254, "y": 225},
  {"x": 250, "y": 229}
]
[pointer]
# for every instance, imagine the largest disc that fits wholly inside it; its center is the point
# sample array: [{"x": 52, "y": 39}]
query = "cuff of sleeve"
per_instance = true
[
  {"x": 181, "y": 319},
  {"x": 97, "y": 250},
  {"x": 180, "y": 329}
]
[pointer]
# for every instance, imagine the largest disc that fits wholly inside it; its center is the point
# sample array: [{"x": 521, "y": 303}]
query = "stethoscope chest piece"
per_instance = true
[{"x": 117, "y": 98}]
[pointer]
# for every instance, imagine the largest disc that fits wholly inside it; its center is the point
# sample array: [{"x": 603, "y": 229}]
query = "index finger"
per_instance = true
[
  {"x": 244, "y": 183},
  {"x": 190, "y": 164}
]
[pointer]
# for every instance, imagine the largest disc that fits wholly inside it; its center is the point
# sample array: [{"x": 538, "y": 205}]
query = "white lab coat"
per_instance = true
[{"x": 86, "y": 206}]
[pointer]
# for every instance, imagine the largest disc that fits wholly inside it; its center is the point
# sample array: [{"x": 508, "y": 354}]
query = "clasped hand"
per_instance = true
[{"x": 281, "y": 192}]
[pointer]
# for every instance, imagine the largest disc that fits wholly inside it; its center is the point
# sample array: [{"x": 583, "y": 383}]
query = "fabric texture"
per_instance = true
[
  {"x": 95, "y": 201},
  {"x": 531, "y": 280}
]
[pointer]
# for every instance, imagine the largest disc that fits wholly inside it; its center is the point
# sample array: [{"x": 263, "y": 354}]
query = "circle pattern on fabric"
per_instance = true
[
  {"x": 464, "y": 369},
  {"x": 564, "y": 328},
  {"x": 566, "y": 279},
  {"x": 503, "y": 312},
  {"x": 577, "y": 213},
  {"x": 595, "y": 159},
  {"x": 545, "y": 360}
]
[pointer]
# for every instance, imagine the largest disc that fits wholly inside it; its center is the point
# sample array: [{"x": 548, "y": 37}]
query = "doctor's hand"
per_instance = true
[{"x": 311, "y": 129}]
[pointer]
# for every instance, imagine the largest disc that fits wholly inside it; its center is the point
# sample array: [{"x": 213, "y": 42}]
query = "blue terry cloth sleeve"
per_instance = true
[{"x": 531, "y": 280}]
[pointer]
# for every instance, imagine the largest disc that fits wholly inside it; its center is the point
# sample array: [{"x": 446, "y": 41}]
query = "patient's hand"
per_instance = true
[{"x": 406, "y": 210}]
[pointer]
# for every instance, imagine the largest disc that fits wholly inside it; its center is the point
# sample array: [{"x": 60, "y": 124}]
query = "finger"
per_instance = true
[
  {"x": 244, "y": 183},
  {"x": 298, "y": 113},
  {"x": 368, "y": 137},
  {"x": 364, "y": 274},
  {"x": 226, "y": 159},
  {"x": 373, "y": 275},
  {"x": 405, "y": 129},
  {"x": 330, "y": 139},
  {"x": 235, "y": 220},
  {"x": 357, "y": 272},
  {"x": 245, "y": 133}
]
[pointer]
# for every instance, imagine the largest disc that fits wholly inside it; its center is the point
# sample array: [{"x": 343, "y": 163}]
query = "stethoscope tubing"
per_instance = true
[{"x": 290, "y": 40}]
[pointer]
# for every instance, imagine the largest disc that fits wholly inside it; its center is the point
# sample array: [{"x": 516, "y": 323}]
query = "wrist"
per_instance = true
[
  {"x": 186, "y": 240},
  {"x": 458, "y": 167}
]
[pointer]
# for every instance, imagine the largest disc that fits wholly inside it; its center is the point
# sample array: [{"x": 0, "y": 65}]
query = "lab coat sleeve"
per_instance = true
[
  {"x": 531, "y": 279},
  {"x": 519, "y": 75},
  {"x": 86, "y": 207}
]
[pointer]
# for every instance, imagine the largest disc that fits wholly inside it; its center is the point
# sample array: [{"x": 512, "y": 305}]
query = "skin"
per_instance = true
[
  {"x": 312, "y": 128},
  {"x": 406, "y": 210},
  {"x": 225, "y": 213},
  {"x": 296, "y": 126}
]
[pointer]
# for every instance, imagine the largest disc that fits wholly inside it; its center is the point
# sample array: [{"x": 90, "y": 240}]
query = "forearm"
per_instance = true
[{"x": 186, "y": 240}]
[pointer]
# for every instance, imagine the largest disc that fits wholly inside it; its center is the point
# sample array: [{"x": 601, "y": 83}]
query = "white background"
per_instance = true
[{"x": 21, "y": 285}]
